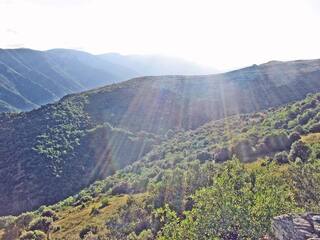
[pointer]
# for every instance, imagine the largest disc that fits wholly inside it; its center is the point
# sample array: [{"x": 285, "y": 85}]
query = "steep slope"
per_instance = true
[
  {"x": 30, "y": 78},
  {"x": 128, "y": 202},
  {"x": 184, "y": 102},
  {"x": 50, "y": 153}
]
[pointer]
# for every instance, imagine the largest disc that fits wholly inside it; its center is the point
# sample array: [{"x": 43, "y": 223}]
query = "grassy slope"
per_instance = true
[{"x": 73, "y": 220}]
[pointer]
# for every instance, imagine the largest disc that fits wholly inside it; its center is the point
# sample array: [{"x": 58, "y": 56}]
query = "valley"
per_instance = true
[
  {"x": 193, "y": 163},
  {"x": 145, "y": 148}
]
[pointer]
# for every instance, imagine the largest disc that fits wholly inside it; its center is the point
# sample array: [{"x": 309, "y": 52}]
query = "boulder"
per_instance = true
[{"x": 296, "y": 227}]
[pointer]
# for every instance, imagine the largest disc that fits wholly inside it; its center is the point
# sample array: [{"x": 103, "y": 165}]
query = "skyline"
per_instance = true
[{"x": 223, "y": 35}]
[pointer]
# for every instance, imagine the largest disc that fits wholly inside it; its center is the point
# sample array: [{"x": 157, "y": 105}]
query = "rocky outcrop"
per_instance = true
[{"x": 296, "y": 227}]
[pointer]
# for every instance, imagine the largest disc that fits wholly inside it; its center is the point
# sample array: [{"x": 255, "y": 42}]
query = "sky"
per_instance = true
[{"x": 224, "y": 34}]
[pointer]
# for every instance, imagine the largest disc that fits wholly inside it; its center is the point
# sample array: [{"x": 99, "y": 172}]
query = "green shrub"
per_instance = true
[
  {"x": 24, "y": 220},
  {"x": 43, "y": 224},
  {"x": 281, "y": 158},
  {"x": 204, "y": 156},
  {"x": 240, "y": 205},
  {"x": 299, "y": 150},
  {"x": 6, "y": 221},
  {"x": 50, "y": 213},
  {"x": 305, "y": 182},
  {"x": 33, "y": 235},
  {"x": 94, "y": 211},
  {"x": 89, "y": 228},
  {"x": 104, "y": 202},
  {"x": 221, "y": 155},
  {"x": 121, "y": 188}
]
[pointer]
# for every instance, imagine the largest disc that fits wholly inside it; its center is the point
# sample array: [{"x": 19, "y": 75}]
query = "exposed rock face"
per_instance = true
[{"x": 296, "y": 227}]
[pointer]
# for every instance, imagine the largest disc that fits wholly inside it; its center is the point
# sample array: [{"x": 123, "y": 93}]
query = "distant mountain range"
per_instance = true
[
  {"x": 54, "y": 151},
  {"x": 151, "y": 65},
  {"x": 30, "y": 78}
]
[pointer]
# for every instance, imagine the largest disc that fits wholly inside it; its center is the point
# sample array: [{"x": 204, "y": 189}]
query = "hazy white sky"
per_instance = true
[{"x": 219, "y": 33}]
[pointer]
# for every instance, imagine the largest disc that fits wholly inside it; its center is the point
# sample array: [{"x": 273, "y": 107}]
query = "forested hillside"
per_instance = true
[
  {"x": 224, "y": 180},
  {"x": 94, "y": 133}
]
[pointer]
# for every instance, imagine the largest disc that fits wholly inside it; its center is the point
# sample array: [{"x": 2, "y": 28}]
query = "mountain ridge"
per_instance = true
[
  {"x": 30, "y": 78},
  {"x": 94, "y": 133}
]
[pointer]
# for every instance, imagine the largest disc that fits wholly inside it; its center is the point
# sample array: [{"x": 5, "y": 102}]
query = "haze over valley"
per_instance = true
[{"x": 167, "y": 120}]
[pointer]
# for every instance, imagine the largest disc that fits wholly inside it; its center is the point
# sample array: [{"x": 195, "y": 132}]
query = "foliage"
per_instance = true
[
  {"x": 305, "y": 182},
  {"x": 50, "y": 214},
  {"x": 185, "y": 187},
  {"x": 87, "y": 229},
  {"x": 299, "y": 150},
  {"x": 33, "y": 235},
  {"x": 240, "y": 205},
  {"x": 104, "y": 202},
  {"x": 281, "y": 158},
  {"x": 43, "y": 224}
]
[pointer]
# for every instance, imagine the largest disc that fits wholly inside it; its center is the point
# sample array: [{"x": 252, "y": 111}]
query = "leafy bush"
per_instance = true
[
  {"x": 294, "y": 136},
  {"x": 94, "y": 211},
  {"x": 204, "y": 156},
  {"x": 281, "y": 158},
  {"x": 83, "y": 199},
  {"x": 89, "y": 228},
  {"x": 277, "y": 142},
  {"x": 314, "y": 128},
  {"x": 134, "y": 216},
  {"x": 242, "y": 149},
  {"x": 121, "y": 188},
  {"x": 50, "y": 214},
  {"x": 305, "y": 181},
  {"x": 43, "y": 224},
  {"x": 299, "y": 150},
  {"x": 33, "y": 235},
  {"x": 240, "y": 205},
  {"x": 222, "y": 155},
  {"x": 6, "y": 221},
  {"x": 104, "y": 202},
  {"x": 24, "y": 220}
]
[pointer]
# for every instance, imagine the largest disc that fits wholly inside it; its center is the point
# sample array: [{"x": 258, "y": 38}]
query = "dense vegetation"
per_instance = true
[
  {"x": 94, "y": 133},
  {"x": 225, "y": 180},
  {"x": 42, "y": 158}
]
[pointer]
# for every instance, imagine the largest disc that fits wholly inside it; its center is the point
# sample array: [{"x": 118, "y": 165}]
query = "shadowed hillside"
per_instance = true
[
  {"x": 194, "y": 179},
  {"x": 87, "y": 136}
]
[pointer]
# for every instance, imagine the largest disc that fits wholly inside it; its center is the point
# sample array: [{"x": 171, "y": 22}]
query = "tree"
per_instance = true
[
  {"x": 24, "y": 220},
  {"x": 299, "y": 150},
  {"x": 88, "y": 229},
  {"x": 242, "y": 149},
  {"x": 295, "y": 136},
  {"x": 314, "y": 128},
  {"x": 204, "y": 156},
  {"x": 222, "y": 155},
  {"x": 121, "y": 188},
  {"x": 171, "y": 190},
  {"x": 281, "y": 158},
  {"x": 240, "y": 205},
  {"x": 104, "y": 202},
  {"x": 43, "y": 224},
  {"x": 33, "y": 235},
  {"x": 277, "y": 142},
  {"x": 305, "y": 182},
  {"x": 50, "y": 214}
]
